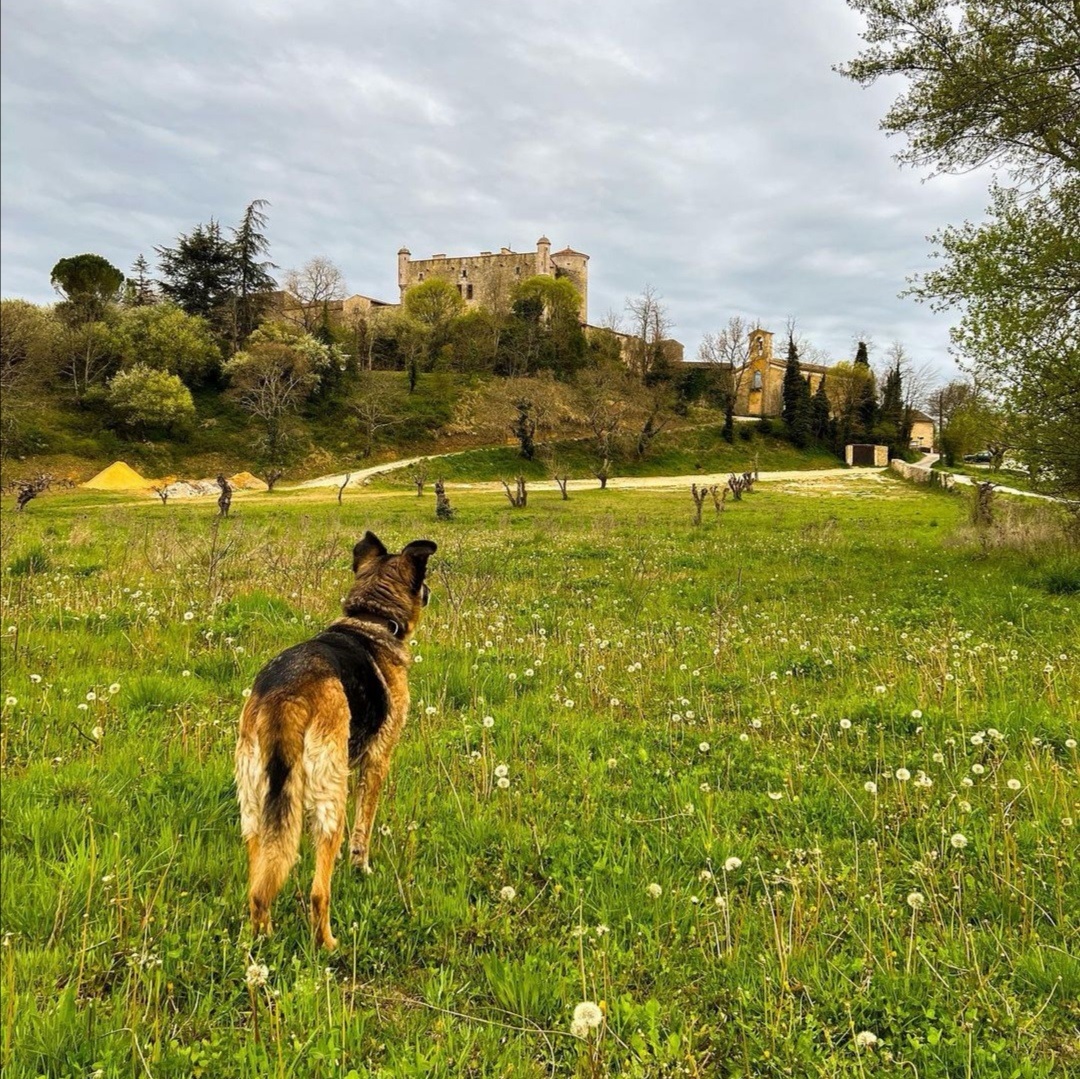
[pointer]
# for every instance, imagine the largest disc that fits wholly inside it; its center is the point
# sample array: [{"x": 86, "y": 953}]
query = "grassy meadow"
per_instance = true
[{"x": 791, "y": 793}]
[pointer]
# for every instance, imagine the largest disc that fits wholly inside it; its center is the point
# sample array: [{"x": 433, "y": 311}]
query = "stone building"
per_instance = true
[
  {"x": 922, "y": 431},
  {"x": 761, "y": 379},
  {"x": 488, "y": 279}
]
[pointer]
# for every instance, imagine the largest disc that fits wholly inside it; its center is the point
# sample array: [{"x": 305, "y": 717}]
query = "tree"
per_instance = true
[
  {"x": 649, "y": 329},
  {"x": 251, "y": 271},
  {"x": 728, "y": 354},
  {"x": 166, "y": 338},
  {"x": 995, "y": 83},
  {"x": 30, "y": 354},
  {"x": 792, "y": 393},
  {"x": 864, "y": 415},
  {"x": 547, "y": 308},
  {"x": 820, "y": 419},
  {"x": 524, "y": 428},
  {"x": 140, "y": 291},
  {"x": 144, "y": 399},
  {"x": 270, "y": 380},
  {"x": 376, "y": 410},
  {"x": 850, "y": 387},
  {"x": 199, "y": 273},
  {"x": 315, "y": 285},
  {"x": 89, "y": 284}
]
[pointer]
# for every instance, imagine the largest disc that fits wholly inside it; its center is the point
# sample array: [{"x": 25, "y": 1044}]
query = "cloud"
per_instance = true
[{"x": 705, "y": 148}]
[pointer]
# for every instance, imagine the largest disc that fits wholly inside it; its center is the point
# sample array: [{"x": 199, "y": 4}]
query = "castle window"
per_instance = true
[
  {"x": 464, "y": 273},
  {"x": 421, "y": 275},
  {"x": 756, "y": 383},
  {"x": 468, "y": 292}
]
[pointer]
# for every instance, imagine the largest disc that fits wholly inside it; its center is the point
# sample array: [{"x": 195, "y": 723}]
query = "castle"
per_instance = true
[
  {"x": 488, "y": 279},
  {"x": 760, "y": 383}
]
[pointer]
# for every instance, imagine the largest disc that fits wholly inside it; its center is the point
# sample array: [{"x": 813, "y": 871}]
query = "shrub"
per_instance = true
[
  {"x": 144, "y": 399},
  {"x": 766, "y": 426}
]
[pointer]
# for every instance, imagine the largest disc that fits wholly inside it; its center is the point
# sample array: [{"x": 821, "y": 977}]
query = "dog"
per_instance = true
[{"x": 335, "y": 702}]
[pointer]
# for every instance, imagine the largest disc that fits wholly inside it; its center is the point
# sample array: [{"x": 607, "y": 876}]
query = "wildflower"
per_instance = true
[
  {"x": 654, "y": 891},
  {"x": 114, "y": 689},
  {"x": 579, "y": 1029},
  {"x": 256, "y": 975},
  {"x": 965, "y": 807},
  {"x": 903, "y": 775},
  {"x": 1070, "y": 743},
  {"x": 507, "y": 894},
  {"x": 35, "y": 678},
  {"x": 588, "y": 1013},
  {"x": 188, "y": 615},
  {"x": 732, "y": 864},
  {"x": 958, "y": 841},
  {"x": 489, "y": 721},
  {"x": 870, "y": 787},
  {"x": 246, "y": 693},
  {"x": 776, "y": 795},
  {"x": 185, "y": 674},
  {"x": 978, "y": 738},
  {"x": 612, "y": 762},
  {"x": 568, "y": 703},
  {"x": 915, "y": 900},
  {"x": 880, "y": 689},
  {"x": 939, "y": 758},
  {"x": 845, "y": 724},
  {"x": 97, "y": 734},
  {"x": 967, "y": 781},
  {"x": 1013, "y": 784},
  {"x": 83, "y": 706},
  {"x": 11, "y": 701},
  {"x": 977, "y": 769},
  {"x": 705, "y": 876},
  {"x": 916, "y": 713},
  {"x": 866, "y": 1039},
  {"x": 602, "y": 930},
  {"x": 503, "y": 783},
  {"x": 703, "y": 747},
  {"x": 501, "y": 771},
  {"x": 91, "y": 696}
]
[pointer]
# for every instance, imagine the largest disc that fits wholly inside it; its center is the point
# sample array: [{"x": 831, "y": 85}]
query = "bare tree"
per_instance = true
[
  {"x": 28, "y": 490},
  {"x": 225, "y": 498},
  {"x": 649, "y": 327},
  {"x": 728, "y": 352},
  {"x": 519, "y": 496},
  {"x": 419, "y": 476},
  {"x": 698, "y": 495},
  {"x": 317, "y": 283},
  {"x": 344, "y": 484},
  {"x": 719, "y": 497},
  {"x": 162, "y": 491}
]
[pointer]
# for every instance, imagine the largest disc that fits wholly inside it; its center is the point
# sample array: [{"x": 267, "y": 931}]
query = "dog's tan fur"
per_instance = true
[{"x": 299, "y": 728}]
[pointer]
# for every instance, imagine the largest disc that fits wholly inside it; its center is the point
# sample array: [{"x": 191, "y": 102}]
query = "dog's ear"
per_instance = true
[
  {"x": 369, "y": 547},
  {"x": 418, "y": 552}
]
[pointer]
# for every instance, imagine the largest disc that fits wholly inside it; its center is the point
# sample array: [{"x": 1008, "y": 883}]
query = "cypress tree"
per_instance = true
[
  {"x": 793, "y": 382},
  {"x": 819, "y": 413},
  {"x": 802, "y": 421},
  {"x": 252, "y": 270}
]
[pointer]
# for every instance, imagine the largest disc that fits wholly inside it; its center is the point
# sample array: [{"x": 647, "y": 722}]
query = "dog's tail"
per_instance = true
[{"x": 270, "y": 786}]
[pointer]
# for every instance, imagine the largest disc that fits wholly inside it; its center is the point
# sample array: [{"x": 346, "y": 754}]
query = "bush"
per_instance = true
[
  {"x": 143, "y": 399},
  {"x": 746, "y": 432},
  {"x": 766, "y": 426}
]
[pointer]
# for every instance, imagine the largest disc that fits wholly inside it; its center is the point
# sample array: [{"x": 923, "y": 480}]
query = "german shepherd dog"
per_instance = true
[{"x": 335, "y": 701}]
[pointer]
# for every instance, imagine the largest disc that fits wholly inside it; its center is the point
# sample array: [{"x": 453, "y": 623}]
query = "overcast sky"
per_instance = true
[{"x": 703, "y": 146}]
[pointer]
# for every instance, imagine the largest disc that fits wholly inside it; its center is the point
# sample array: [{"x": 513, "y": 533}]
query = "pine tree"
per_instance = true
[
  {"x": 252, "y": 270},
  {"x": 793, "y": 380},
  {"x": 862, "y": 355},
  {"x": 140, "y": 286},
  {"x": 866, "y": 409},
  {"x": 199, "y": 273}
]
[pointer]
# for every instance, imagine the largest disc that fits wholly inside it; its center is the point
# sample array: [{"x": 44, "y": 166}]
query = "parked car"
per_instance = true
[{"x": 983, "y": 457}]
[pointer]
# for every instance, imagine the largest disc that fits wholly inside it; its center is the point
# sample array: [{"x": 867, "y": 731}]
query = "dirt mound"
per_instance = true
[
  {"x": 245, "y": 481},
  {"x": 117, "y": 477}
]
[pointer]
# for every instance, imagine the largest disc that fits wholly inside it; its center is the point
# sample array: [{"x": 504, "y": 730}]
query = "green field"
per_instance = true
[
  {"x": 791, "y": 793},
  {"x": 682, "y": 452}
]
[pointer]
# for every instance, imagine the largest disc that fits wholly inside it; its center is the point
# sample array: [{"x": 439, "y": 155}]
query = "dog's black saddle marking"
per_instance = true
[{"x": 343, "y": 653}]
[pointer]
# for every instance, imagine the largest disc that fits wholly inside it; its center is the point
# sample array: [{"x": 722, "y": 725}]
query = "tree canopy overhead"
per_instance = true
[{"x": 997, "y": 83}]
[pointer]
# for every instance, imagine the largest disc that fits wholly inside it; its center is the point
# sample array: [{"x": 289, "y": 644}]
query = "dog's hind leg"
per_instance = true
[
  {"x": 326, "y": 770},
  {"x": 373, "y": 770}
]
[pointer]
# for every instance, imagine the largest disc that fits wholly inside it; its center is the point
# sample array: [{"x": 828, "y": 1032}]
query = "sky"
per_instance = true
[{"x": 705, "y": 147}]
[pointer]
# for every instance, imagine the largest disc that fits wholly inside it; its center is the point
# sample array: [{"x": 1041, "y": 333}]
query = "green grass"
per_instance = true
[
  {"x": 665, "y": 698},
  {"x": 680, "y": 452}
]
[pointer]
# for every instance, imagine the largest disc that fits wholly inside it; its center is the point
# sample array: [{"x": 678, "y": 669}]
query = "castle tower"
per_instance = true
[
  {"x": 574, "y": 265},
  {"x": 543, "y": 256},
  {"x": 758, "y": 388},
  {"x": 403, "y": 269}
]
